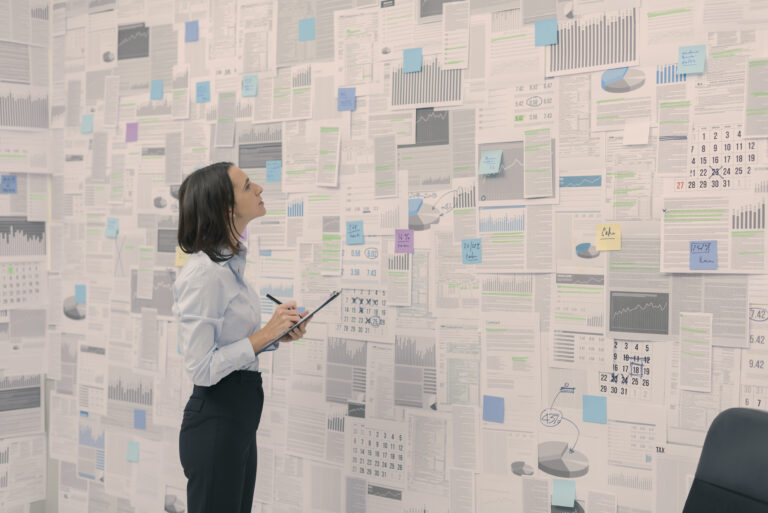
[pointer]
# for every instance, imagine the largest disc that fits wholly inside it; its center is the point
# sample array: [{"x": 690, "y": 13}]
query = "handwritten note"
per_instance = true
[
  {"x": 493, "y": 409},
  {"x": 691, "y": 59},
  {"x": 411, "y": 60},
  {"x": 608, "y": 237},
  {"x": 307, "y": 29},
  {"x": 274, "y": 171},
  {"x": 86, "y": 124},
  {"x": 203, "y": 92},
  {"x": 250, "y": 86},
  {"x": 471, "y": 251},
  {"x": 132, "y": 451},
  {"x": 131, "y": 132},
  {"x": 403, "y": 241},
  {"x": 191, "y": 31},
  {"x": 355, "y": 232},
  {"x": 490, "y": 162},
  {"x": 545, "y": 32},
  {"x": 80, "y": 294},
  {"x": 113, "y": 227},
  {"x": 156, "y": 90},
  {"x": 347, "y": 98},
  {"x": 563, "y": 492},
  {"x": 8, "y": 184},
  {"x": 703, "y": 255}
]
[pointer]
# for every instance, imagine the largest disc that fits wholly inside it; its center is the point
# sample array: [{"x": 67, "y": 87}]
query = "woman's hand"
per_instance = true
[
  {"x": 297, "y": 333},
  {"x": 284, "y": 317}
]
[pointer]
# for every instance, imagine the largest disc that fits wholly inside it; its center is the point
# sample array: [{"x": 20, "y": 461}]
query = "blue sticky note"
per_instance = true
[
  {"x": 140, "y": 419},
  {"x": 190, "y": 31},
  {"x": 691, "y": 59},
  {"x": 132, "y": 451},
  {"x": 563, "y": 492},
  {"x": 411, "y": 60},
  {"x": 307, "y": 29},
  {"x": 80, "y": 294},
  {"x": 347, "y": 99},
  {"x": 113, "y": 227},
  {"x": 414, "y": 205},
  {"x": 86, "y": 124},
  {"x": 490, "y": 162},
  {"x": 703, "y": 255},
  {"x": 156, "y": 90},
  {"x": 355, "y": 232},
  {"x": 493, "y": 408},
  {"x": 203, "y": 92},
  {"x": 250, "y": 86},
  {"x": 8, "y": 184},
  {"x": 274, "y": 171},
  {"x": 594, "y": 408},
  {"x": 546, "y": 32},
  {"x": 471, "y": 251}
]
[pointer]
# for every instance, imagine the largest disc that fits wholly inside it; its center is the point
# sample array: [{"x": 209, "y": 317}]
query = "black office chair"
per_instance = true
[{"x": 732, "y": 476}]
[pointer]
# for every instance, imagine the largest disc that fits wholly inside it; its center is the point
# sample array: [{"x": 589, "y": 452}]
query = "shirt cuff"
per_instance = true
[{"x": 240, "y": 353}]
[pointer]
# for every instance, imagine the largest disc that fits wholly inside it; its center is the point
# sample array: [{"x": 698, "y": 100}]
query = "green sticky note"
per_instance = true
[
  {"x": 563, "y": 493},
  {"x": 132, "y": 451},
  {"x": 490, "y": 162}
]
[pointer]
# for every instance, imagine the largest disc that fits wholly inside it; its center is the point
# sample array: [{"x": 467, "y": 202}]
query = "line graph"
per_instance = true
[
  {"x": 640, "y": 312},
  {"x": 132, "y": 41},
  {"x": 581, "y": 181},
  {"x": 432, "y": 127}
]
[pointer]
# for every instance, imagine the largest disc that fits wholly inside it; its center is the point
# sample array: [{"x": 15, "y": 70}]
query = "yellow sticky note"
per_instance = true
[
  {"x": 609, "y": 237},
  {"x": 181, "y": 258}
]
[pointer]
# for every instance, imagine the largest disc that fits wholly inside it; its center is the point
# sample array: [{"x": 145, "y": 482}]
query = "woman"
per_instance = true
[{"x": 219, "y": 317}]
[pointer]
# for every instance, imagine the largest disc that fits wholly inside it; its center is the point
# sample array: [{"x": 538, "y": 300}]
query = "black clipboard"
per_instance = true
[{"x": 334, "y": 295}]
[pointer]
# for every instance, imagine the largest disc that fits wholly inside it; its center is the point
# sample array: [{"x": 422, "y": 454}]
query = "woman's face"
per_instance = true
[{"x": 248, "y": 202}]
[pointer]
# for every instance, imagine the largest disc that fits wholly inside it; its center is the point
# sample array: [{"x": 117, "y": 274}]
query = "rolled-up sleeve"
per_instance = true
[{"x": 200, "y": 305}]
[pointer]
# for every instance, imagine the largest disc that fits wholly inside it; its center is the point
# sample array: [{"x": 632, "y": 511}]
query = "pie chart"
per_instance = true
[
  {"x": 555, "y": 458},
  {"x": 586, "y": 250},
  {"x": 622, "y": 80},
  {"x": 72, "y": 309}
]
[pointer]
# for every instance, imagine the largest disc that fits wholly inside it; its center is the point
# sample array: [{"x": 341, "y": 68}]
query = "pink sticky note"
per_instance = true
[
  {"x": 131, "y": 132},
  {"x": 403, "y": 241}
]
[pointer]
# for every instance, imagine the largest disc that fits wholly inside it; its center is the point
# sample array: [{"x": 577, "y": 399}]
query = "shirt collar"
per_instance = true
[{"x": 235, "y": 262}]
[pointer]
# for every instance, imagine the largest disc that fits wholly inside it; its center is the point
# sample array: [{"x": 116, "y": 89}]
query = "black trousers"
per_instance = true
[{"x": 217, "y": 443}]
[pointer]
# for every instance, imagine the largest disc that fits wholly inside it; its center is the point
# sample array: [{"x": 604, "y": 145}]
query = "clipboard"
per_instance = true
[{"x": 334, "y": 295}]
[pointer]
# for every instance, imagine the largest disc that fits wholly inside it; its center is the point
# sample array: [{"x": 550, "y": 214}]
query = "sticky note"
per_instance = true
[
  {"x": 691, "y": 59},
  {"x": 493, "y": 409},
  {"x": 355, "y": 232},
  {"x": 113, "y": 227},
  {"x": 546, "y": 32},
  {"x": 471, "y": 251},
  {"x": 8, "y": 184},
  {"x": 274, "y": 171},
  {"x": 703, "y": 255},
  {"x": 636, "y": 131},
  {"x": 156, "y": 90},
  {"x": 490, "y": 161},
  {"x": 563, "y": 492},
  {"x": 608, "y": 237},
  {"x": 132, "y": 451},
  {"x": 140, "y": 419},
  {"x": 80, "y": 294},
  {"x": 307, "y": 29},
  {"x": 131, "y": 132},
  {"x": 191, "y": 31},
  {"x": 180, "y": 258},
  {"x": 594, "y": 408},
  {"x": 347, "y": 99},
  {"x": 411, "y": 60},
  {"x": 86, "y": 124},
  {"x": 250, "y": 86},
  {"x": 203, "y": 92},
  {"x": 403, "y": 241}
]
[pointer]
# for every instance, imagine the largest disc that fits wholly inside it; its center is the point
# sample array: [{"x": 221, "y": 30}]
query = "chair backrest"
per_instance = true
[{"x": 732, "y": 475}]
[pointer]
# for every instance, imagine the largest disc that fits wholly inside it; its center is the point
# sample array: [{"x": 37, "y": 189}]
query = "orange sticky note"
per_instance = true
[
  {"x": 608, "y": 237},
  {"x": 181, "y": 257}
]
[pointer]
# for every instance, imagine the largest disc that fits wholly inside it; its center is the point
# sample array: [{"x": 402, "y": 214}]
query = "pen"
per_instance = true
[{"x": 270, "y": 296}]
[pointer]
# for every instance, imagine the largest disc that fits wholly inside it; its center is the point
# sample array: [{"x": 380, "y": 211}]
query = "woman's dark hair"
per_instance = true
[{"x": 205, "y": 199}]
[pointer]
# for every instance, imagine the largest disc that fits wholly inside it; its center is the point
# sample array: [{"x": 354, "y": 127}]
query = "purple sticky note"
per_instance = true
[
  {"x": 403, "y": 241},
  {"x": 131, "y": 132}
]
